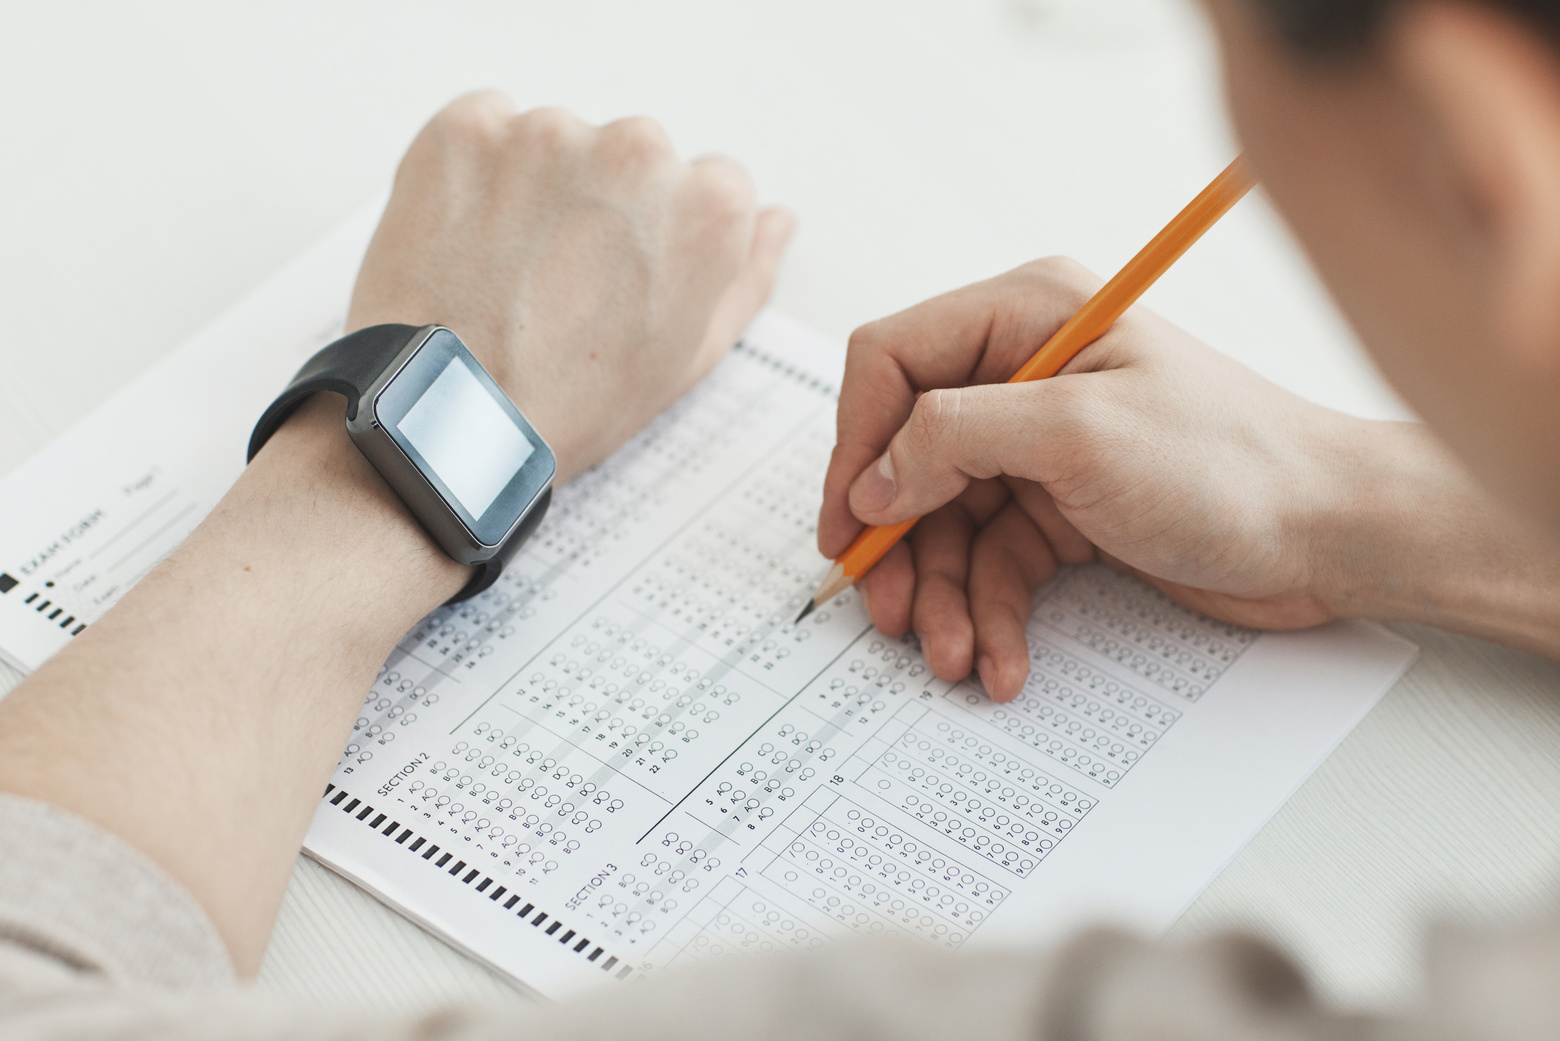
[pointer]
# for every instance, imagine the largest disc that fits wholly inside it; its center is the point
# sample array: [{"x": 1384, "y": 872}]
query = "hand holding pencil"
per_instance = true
[
  {"x": 1088, "y": 325},
  {"x": 971, "y": 339}
]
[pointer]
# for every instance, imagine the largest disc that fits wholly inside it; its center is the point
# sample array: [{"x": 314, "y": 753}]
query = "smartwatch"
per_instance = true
[{"x": 441, "y": 432}]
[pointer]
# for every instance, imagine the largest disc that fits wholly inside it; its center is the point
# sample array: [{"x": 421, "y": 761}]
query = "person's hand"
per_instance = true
[
  {"x": 1149, "y": 451},
  {"x": 596, "y": 275}
]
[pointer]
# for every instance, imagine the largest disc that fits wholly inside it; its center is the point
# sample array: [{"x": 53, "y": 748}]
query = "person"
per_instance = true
[{"x": 1415, "y": 148}]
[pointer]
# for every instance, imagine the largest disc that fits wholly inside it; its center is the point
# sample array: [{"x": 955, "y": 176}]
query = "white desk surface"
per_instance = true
[{"x": 158, "y": 158}]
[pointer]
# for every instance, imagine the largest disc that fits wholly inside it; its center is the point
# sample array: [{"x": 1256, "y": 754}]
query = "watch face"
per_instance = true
[{"x": 462, "y": 433}]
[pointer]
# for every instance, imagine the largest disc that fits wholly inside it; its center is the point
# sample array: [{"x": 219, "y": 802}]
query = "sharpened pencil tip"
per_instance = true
[{"x": 833, "y": 584}]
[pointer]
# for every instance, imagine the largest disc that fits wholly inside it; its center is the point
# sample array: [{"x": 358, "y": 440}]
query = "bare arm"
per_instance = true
[{"x": 597, "y": 277}]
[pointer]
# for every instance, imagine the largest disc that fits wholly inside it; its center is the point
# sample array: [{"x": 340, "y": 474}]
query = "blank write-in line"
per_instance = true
[
  {"x": 153, "y": 536},
  {"x": 115, "y": 537}
]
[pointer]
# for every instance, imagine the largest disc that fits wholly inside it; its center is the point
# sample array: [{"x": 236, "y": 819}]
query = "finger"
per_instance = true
[
  {"x": 983, "y": 499},
  {"x": 886, "y": 364},
  {"x": 980, "y": 333},
  {"x": 893, "y": 589},
  {"x": 940, "y": 545},
  {"x": 716, "y": 218},
  {"x": 1009, "y": 559},
  {"x": 940, "y": 614},
  {"x": 838, "y": 526},
  {"x": 889, "y": 590},
  {"x": 755, "y": 281},
  {"x": 1035, "y": 431},
  {"x": 1069, "y": 544}
]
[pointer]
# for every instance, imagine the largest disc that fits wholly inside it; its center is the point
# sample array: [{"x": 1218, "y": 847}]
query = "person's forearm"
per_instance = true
[
  {"x": 221, "y": 690},
  {"x": 1412, "y": 537}
]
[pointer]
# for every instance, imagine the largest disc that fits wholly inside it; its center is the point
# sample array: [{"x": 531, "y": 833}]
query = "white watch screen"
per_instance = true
[{"x": 466, "y": 438}]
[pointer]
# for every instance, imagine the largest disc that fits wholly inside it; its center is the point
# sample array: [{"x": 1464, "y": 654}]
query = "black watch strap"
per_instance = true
[{"x": 350, "y": 366}]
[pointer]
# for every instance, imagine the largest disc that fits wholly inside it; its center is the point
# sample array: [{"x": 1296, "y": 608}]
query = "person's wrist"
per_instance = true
[
  {"x": 1367, "y": 544},
  {"x": 311, "y": 468},
  {"x": 1405, "y": 534},
  {"x": 537, "y": 396}
]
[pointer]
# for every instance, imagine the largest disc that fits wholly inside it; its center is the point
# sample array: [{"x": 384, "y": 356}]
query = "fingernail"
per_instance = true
[
  {"x": 874, "y": 489},
  {"x": 987, "y": 670}
]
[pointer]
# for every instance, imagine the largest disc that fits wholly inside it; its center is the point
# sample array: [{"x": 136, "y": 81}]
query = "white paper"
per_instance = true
[{"x": 625, "y": 756}]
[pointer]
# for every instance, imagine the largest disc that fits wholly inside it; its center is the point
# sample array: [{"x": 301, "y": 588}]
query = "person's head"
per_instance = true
[{"x": 1414, "y": 147}]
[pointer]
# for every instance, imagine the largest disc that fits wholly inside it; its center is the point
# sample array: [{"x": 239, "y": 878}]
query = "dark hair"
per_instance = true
[
  {"x": 1325, "y": 27},
  {"x": 1331, "y": 28}
]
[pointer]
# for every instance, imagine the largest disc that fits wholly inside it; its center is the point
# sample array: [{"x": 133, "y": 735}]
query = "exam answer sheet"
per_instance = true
[{"x": 626, "y": 756}]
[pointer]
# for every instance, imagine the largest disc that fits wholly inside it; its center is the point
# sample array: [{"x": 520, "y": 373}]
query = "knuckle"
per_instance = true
[
  {"x": 1060, "y": 273},
  {"x": 724, "y": 191},
  {"x": 474, "y": 119},
  {"x": 936, "y": 418},
  {"x": 545, "y": 127},
  {"x": 1057, "y": 269},
  {"x": 638, "y": 140},
  {"x": 864, "y": 342}
]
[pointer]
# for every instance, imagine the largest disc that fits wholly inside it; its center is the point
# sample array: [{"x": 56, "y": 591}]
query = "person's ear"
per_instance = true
[{"x": 1489, "y": 84}]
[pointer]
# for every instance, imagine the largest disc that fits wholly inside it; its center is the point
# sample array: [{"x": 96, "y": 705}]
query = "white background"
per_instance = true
[{"x": 158, "y": 159}]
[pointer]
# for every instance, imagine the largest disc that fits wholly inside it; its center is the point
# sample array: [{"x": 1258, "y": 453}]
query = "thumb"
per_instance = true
[{"x": 958, "y": 435}]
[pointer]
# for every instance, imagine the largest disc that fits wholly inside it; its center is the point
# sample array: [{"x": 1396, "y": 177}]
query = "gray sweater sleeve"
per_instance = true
[
  {"x": 78, "y": 903},
  {"x": 97, "y": 942}
]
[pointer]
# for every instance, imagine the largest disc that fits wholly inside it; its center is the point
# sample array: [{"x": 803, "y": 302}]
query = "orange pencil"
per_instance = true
[{"x": 1088, "y": 325}]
